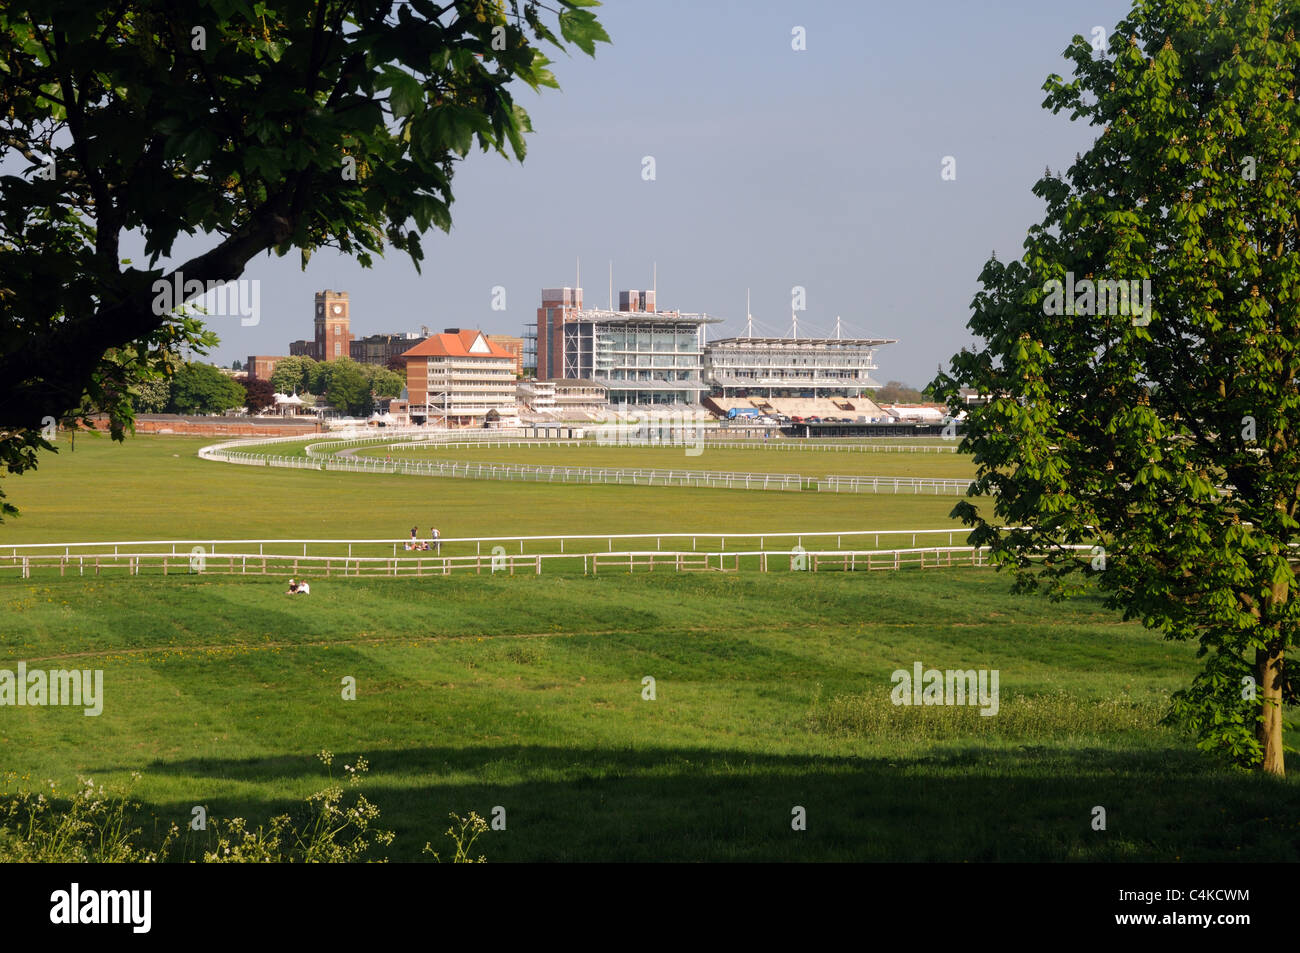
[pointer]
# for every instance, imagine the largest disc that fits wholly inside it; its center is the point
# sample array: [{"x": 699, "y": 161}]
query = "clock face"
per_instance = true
[
  {"x": 338, "y": 309},
  {"x": 320, "y": 309}
]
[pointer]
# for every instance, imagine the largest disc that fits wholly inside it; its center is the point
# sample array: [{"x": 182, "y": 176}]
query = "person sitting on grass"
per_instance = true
[
  {"x": 304, "y": 588},
  {"x": 293, "y": 587}
]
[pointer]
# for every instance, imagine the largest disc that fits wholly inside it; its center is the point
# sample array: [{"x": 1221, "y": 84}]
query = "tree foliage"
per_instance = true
[
  {"x": 204, "y": 389},
  {"x": 344, "y": 385},
  {"x": 384, "y": 382},
  {"x": 258, "y": 395},
  {"x": 896, "y": 392},
  {"x": 1168, "y": 436},
  {"x": 277, "y": 126},
  {"x": 292, "y": 374},
  {"x": 152, "y": 396}
]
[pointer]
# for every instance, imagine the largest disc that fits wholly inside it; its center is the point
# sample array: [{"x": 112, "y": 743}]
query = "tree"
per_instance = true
[
  {"x": 204, "y": 389},
  {"x": 344, "y": 385},
  {"x": 265, "y": 127},
  {"x": 1158, "y": 424},
  {"x": 292, "y": 374},
  {"x": 383, "y": 382},
  {"x": 896, "y": 392},
  {"x": 152, "y": 397},
  {"x": 258, "y": 395}
]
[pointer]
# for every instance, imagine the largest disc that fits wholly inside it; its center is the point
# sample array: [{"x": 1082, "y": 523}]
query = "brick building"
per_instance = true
[
  {"x": 558, "y": 305},
  {"x": 515, "y": 345},
  {"x": 333, "y": 322},
  {"x": 458, "y": 376},
  {"x": 382, "y": 348},
  {"x": 262, "y": 366}
]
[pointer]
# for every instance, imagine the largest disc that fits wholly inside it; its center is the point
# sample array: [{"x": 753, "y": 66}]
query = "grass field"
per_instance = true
[
  {"x": 526, "y": 692},
  {"x": 156, "y": 488},
  {"x": 806, "y": 462}
]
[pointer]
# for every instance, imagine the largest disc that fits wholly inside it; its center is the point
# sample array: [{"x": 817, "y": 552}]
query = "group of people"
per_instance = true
[{"x": 434, "y": 542}]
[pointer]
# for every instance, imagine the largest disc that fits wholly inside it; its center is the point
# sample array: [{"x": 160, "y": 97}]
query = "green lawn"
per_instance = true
[
  {"x": 804, "y": 462},
  {"x": 526, "y": 692},
  {"x": 156, "y": 488}
]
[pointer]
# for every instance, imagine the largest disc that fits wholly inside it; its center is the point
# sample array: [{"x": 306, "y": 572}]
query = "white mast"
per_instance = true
[{"x": 749, "y": 318}]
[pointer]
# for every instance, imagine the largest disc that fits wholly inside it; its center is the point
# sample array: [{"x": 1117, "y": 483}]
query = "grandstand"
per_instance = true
[
  {"x": 645, "y": 358},
  {"x": 796, "y": 377},
  {"x": 850, "y": 407}
]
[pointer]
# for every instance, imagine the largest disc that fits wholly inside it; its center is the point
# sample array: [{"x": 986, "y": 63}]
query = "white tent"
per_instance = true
[{"x": 287, "y": 404}]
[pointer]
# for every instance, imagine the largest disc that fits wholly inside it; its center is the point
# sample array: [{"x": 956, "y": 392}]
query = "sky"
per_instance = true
[{"x": 773, "y": 168}]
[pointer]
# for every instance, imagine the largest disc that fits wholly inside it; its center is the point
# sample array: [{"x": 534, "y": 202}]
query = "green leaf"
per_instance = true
[
  {"x": 583, "y": 30},
  {"x": 407, "y": 95}
]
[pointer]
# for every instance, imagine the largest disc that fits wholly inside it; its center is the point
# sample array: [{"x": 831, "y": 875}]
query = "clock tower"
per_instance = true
[{"x": 333, "y": 337}]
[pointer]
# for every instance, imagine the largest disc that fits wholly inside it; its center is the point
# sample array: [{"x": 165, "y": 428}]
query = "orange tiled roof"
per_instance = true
[{"x": 456, "y": 345}]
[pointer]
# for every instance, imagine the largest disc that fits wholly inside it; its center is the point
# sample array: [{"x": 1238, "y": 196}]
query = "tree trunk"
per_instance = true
[{"x": 1268, "y": 672}]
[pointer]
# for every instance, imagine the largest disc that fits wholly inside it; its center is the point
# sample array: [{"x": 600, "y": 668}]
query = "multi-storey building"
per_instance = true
[
  {"x": 790, "y": 367},
  {"x": 639, "y": 354},
  {"x": 383, "y": 349},
  {"x": 457, "y": 377},
  {"x": 559, "y": 305},
  {"x": 515, "y": 345},
  {"x": 642, "y": 357}
]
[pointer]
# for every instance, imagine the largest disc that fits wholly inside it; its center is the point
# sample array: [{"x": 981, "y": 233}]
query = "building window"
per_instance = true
[{"x": 338, "y": 348}]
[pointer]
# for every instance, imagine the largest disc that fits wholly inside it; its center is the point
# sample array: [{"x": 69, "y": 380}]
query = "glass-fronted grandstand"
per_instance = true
[
  {"x": 642, "y": 357},
  {"x": 791, "y": 367}
]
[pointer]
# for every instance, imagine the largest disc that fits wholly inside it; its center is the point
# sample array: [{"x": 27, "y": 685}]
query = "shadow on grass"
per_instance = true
[{"x": 679, "y": 804}]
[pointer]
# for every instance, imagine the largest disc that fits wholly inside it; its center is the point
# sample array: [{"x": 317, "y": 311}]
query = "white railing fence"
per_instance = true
[
  {"x": 315, "y": 567},
  {"x": 318, "y": 459},
  {"x": 524, "y": 544}
]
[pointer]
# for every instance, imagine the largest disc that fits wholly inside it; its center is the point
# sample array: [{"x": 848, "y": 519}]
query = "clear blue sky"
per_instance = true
[{"x": 775, "y": 168}]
